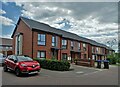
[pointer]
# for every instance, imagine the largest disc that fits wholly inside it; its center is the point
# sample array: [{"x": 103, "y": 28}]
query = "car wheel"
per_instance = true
[
  {"x": 5, "y": 68},
  {"x": 17, "y": 72}
]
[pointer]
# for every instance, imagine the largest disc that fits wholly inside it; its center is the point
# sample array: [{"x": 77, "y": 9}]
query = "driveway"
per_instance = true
[{"x": 79, "y": 76}]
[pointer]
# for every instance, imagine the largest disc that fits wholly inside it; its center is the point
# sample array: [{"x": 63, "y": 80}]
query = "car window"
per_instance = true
[
  {"x": 14, "y": 57},
  {"x": 23, "y": 58},
  {"x": 9, "y": 57}
]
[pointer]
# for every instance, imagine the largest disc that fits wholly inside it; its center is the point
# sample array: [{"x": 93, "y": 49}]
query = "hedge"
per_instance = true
[
  {"x": 53, "y": 64},
  {"x": 112, "y": 60}
]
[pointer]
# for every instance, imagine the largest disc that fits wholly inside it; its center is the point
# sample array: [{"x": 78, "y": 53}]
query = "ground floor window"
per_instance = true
[
  {"x": 41, "y": 54},
  {"x": 93, "y": 57},
  {"x": 64, "y": 56},
  {"x": 85, "y": 56}
]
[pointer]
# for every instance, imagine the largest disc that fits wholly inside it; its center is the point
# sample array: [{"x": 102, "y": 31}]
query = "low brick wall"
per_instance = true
[{"x": 84, "y": 62}]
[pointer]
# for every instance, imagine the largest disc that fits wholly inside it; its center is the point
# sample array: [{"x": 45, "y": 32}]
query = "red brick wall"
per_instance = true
[
  {"x": 68, "y": 48},
  {"x": 27, "y": 39},
  {"x": 89, "y": 51},
  {"x": 84, "y": 52},
  {"x": 59, "y": 46},
  {"x": 48, "y": 46},
  {"x": 37, "y": 47}
]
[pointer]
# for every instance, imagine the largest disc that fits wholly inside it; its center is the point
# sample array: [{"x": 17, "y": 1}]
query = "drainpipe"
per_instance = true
[
  {"x": 60, "y": 46},
  {"x": 32, "y": 44}
]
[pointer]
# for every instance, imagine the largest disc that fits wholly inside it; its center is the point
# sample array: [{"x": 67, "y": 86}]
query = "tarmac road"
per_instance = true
[{"x": 79, "y": 76}]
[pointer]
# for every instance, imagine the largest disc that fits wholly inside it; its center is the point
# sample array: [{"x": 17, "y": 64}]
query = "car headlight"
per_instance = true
[
  {"x": 38, "y": 64},
  {"x": 24, "y": 65}
]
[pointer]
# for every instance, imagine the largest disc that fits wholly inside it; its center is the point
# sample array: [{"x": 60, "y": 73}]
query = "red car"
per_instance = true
[{"x": 21, "y": 65}]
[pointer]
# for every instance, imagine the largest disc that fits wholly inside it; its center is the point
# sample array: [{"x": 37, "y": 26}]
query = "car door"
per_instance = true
[
  {"x": 8, "y": 62},
  {"x": 13, "y": 64}
]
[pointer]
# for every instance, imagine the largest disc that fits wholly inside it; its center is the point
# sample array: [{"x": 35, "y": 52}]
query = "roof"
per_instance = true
[
  {"x": 35, "y": 25},
  {"x": 6, "y": 41}
]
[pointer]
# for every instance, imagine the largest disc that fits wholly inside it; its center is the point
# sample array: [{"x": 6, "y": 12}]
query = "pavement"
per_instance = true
[{"x": 78, "y": 75}]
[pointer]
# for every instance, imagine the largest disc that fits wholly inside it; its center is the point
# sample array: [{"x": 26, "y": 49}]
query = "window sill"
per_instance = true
[{"x": 41, "y": 45}]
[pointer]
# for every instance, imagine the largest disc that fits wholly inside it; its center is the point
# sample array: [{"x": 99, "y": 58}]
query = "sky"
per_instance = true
[{"x": 94, "y": 20}]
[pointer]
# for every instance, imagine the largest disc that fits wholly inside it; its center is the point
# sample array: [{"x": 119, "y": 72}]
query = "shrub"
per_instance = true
[
  {"x": 118, "y": 61},
  {"x": 53, "y": 64},
  {"x": 112, "y": 59}
]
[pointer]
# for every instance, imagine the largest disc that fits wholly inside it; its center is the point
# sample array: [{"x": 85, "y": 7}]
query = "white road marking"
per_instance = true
[{"x": 80, "y": 72}]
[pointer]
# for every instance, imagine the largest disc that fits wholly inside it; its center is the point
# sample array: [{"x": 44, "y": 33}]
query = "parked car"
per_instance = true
[
  {"x": 2, "y": 58},
  {"x": 21, "y": 65}
]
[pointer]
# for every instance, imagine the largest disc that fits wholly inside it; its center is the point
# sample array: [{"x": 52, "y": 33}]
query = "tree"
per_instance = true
[{"x": 114, "y": 58}]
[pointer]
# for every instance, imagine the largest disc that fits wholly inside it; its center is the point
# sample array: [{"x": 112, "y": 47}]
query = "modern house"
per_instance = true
[
  {"x": 6, "y": 46},
  {"x": 39, "y": 40}
]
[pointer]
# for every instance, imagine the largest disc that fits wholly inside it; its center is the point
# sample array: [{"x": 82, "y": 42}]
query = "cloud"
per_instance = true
[
  {"x": 91, "y": 27},
  {"x": 2, "y": 11},
  {"x": 97, "y": 21},
  {"x": 39, "y": 11},
  {"x": 6, "y": 21}
]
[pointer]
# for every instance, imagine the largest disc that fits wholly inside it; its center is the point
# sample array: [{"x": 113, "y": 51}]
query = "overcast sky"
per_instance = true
[{"x": 94, "y": 20}]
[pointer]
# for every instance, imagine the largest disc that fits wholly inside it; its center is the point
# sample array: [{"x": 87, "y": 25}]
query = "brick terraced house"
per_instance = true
[
  {"x": 39, "y": 40},
  {"x": 6, "y": 46}
]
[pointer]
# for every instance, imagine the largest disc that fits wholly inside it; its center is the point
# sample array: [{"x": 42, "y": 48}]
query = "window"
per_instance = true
[
  {"x": 84, "y": 45},
  {"x": 10, "y": 47},
  {"x": 85, "y": 56},
  {"x": 13, "y": 57},
  {"x": 6, "y": 47},
  {"x": 41, "y": 39},
  {"x": 102, "y": 50},
  {"x": 64, "y": 44},
  {"x": 97, "y": 49},
  {"x": 93, "y": 49},
  {"x": 72, "y": 44},
  {"x": 41, "y": 54},
  {"x": 18, "y": 44},
  {"x": 79, "y": 46},
  {"x": 54, "y": 41},
  {"x": 64, "y": 56}
]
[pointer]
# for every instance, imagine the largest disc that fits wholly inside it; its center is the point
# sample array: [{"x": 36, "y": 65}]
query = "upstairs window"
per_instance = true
[
  {"x": 72, "y": 45},
  {"x": 84, "y": 46},
  {"x": 41, "y": 39},
  {"x": 79, "y": 46},
  {"x": 103, "y": 51},
  {"x": 64, "y": 44},
  {"x": 97, "y": 49},
  {"x": 93, "y": 49},
  {"x": 54, "y": 41}
]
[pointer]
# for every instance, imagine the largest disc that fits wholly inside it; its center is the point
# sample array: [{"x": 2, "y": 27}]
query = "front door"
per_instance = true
[
  {"x": 55, "y": 54},
  {"x": 72, "y": 57}
]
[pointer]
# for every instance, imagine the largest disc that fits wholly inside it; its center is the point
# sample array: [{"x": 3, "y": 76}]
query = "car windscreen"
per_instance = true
[{"x": 23, "y": 58}]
